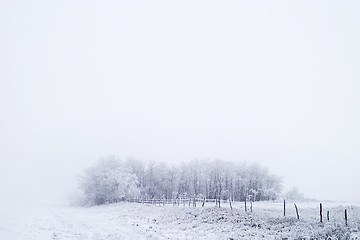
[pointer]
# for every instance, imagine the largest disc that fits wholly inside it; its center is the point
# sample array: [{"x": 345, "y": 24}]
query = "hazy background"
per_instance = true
[{"x": 272, "y": 82}]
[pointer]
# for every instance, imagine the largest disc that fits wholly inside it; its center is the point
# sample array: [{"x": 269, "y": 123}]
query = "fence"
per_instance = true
[
  {"x": 203, "y": 201},
  {"x": 178, "y": 201}
]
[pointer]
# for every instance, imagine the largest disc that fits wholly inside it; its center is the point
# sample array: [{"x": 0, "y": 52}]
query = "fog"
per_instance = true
[{"x": 275, "y": 83}]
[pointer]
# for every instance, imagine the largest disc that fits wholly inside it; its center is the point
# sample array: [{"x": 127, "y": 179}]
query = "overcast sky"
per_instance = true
[{"x": 273, "y": 82}]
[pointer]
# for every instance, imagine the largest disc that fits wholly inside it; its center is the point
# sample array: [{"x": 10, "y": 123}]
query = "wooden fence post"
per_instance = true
[
  {"x": 297, "y": 212},
  {"x": 203, "y": 202},
  {"x": 328, "y": 216},
  {"x": 245, "y": 205},
  {"x": 320, "y": 212},
  {"x": 284, "y": 208},
  {"x": 346, "y": 219}
]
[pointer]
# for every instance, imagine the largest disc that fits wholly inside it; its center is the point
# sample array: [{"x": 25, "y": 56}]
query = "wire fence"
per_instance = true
[
  {"x": 218, "y": 202},
  {"x": 178, "y": 201}
]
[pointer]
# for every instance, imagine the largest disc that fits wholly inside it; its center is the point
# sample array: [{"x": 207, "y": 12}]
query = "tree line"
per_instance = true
[{"x": 112, "y": 180}]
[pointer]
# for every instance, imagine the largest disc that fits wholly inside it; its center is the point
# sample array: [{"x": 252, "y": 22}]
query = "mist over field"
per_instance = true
[{"x": 268, "y": 83}]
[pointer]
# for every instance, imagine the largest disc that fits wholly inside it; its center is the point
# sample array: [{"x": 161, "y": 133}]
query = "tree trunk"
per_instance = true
[
  {"x": 245, "y": 205},
  {"x": 216, "y": 200},
  {"x": 203, "y": 203}
]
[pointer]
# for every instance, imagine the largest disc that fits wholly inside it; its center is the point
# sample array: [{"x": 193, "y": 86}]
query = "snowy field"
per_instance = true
[{"x": 141, "y": 221}]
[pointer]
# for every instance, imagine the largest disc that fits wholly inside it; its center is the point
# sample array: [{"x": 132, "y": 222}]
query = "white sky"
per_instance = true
[{"x": 276, "y": 82}]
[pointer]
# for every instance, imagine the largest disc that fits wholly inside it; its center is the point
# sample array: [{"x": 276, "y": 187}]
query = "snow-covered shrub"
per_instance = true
[{"x": 108, "y": 181}]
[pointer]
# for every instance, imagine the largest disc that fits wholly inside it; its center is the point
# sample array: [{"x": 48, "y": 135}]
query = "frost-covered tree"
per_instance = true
[
  {"x": 111, "y": 180},
  {"x": 294, "y": 194},
  {"x": 108, "y": 181}
]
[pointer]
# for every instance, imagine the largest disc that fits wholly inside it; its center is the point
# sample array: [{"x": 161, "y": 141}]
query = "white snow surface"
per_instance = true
[{"x": 143, "y": 221}]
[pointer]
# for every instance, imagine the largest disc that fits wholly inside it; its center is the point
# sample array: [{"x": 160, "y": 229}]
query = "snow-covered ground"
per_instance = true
[{"x": 140, "y": 221}]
